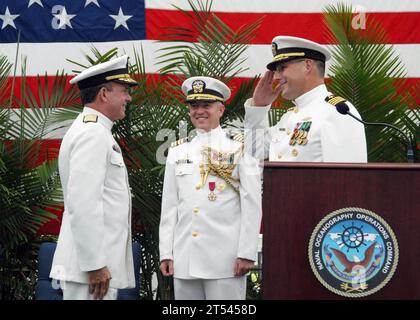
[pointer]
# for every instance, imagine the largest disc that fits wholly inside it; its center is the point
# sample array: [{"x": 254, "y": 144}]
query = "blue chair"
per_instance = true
[{"x": 48, "y": 289}]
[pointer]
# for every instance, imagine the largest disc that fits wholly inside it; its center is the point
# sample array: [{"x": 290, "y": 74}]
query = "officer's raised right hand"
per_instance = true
[{"x": 266, "y": 91}]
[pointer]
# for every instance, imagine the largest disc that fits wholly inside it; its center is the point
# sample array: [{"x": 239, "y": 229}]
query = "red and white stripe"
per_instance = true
[{"x": 400, "y": 18}]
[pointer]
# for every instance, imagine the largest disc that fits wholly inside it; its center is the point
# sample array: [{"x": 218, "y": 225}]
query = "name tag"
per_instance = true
[{"x": 183, "y": 161}]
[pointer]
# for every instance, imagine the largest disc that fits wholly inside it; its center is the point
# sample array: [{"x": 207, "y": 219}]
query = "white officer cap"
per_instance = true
[
  {"x": 286, "y": 48},
  {"x": 205, "y": 89},
  {"x": 115, "y": 70}
]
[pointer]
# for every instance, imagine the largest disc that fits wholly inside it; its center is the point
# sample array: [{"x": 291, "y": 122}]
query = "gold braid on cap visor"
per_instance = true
[
  {"x": 283, "y": 56},
  {"x": 201, "y": 96},
  {"x": 123, "y": 77}
]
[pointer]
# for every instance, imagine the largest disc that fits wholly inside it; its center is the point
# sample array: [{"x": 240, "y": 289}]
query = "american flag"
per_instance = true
[{"x": 52, "y": 31}]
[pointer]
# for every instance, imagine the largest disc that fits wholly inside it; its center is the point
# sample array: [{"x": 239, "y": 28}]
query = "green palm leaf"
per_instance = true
[
  {"x": 5, "y": 68},
  {"x": 218, "y": 51},
  {"x": 34, "y": 117},
  {"x": 27, "y": 194},
  {"x": 28, "y": 190},
  {"x": 368, "y": 72}
]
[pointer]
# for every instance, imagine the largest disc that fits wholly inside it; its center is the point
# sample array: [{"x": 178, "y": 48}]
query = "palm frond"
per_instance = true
[
  {"x": 5, "y": 68},
  {"x": 97, "y": 58},
  {"x": 218, "y": 51},
  {"x": 28, "y": 190},
  {"x": 26, "y": 193},
  {"x": 368, "y": 72},
  {"x": 35, "y": 116},
  {"x": 235, "y": 110}
]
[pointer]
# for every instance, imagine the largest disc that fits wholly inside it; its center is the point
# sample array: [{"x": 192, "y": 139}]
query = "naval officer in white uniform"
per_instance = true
[
  {"x": 311, "y": 131},
  {"x": 211, "y": 203},
  {"x": 93, "y": 258}
]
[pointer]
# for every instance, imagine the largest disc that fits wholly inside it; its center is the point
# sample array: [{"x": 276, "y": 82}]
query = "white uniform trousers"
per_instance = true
[
  {"x": 80, "y": 291},
  {"x": 210, "y": 289}
]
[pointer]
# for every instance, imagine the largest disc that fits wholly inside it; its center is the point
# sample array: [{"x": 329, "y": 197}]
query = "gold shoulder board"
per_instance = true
[
  {"x": 334, "y": 100},
  {"x": 90, "y": 118},
  {"x": 178, "y": 142},
  {"x": 237, "y": 136}
]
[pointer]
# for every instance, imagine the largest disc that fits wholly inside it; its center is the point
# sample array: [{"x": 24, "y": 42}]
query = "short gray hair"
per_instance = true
[{"x": 320, "y": 65}]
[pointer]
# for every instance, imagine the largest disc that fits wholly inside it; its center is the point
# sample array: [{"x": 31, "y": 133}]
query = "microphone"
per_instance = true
[{"x": 343, "y": 108}]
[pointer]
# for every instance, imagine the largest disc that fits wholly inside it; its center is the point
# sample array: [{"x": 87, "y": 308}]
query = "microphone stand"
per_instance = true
[{"x": 410, "y": 153}]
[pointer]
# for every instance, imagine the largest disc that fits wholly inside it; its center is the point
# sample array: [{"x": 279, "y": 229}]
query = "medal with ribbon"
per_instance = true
[
  {"x": 212, "y": 196},
  {"x": 300, "y": 133},
  {"x": 220, "y": 164}
]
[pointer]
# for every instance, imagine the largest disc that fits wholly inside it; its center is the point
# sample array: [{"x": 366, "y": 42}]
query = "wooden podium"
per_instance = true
[{"x": 297, "y": 196}]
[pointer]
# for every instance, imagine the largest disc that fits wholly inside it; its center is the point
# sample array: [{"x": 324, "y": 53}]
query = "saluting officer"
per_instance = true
[
  {"x": 94, "y": 256},
  {"x": 313, "y": 130},
  {"x": 211, "y": 203}
]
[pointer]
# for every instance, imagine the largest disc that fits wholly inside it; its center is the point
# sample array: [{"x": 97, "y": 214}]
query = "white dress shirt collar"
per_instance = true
[
  {"x": 308, "y": 97},
  {"x": 208, "y": 136}
]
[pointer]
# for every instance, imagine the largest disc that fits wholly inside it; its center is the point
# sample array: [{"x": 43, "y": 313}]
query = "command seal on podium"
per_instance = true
[{"x": 353, "y": 252}]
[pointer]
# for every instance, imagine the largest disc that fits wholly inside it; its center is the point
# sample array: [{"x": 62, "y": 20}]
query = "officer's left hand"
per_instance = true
[
  {"x": 242, "y": 266},
  {"x": 99, "y": 282}
]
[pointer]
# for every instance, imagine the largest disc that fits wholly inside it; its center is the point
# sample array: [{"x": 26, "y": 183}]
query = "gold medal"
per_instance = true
[
  {"x": 212, "y": 196},
  {"x": 300, "y": 134}
]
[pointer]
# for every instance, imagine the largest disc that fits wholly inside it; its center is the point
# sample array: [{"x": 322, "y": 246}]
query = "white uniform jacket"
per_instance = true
[
  {"x": 201, "y": 236},
  {"x": 96, "y": 227},
  {"x": 312, "y": 131}
]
